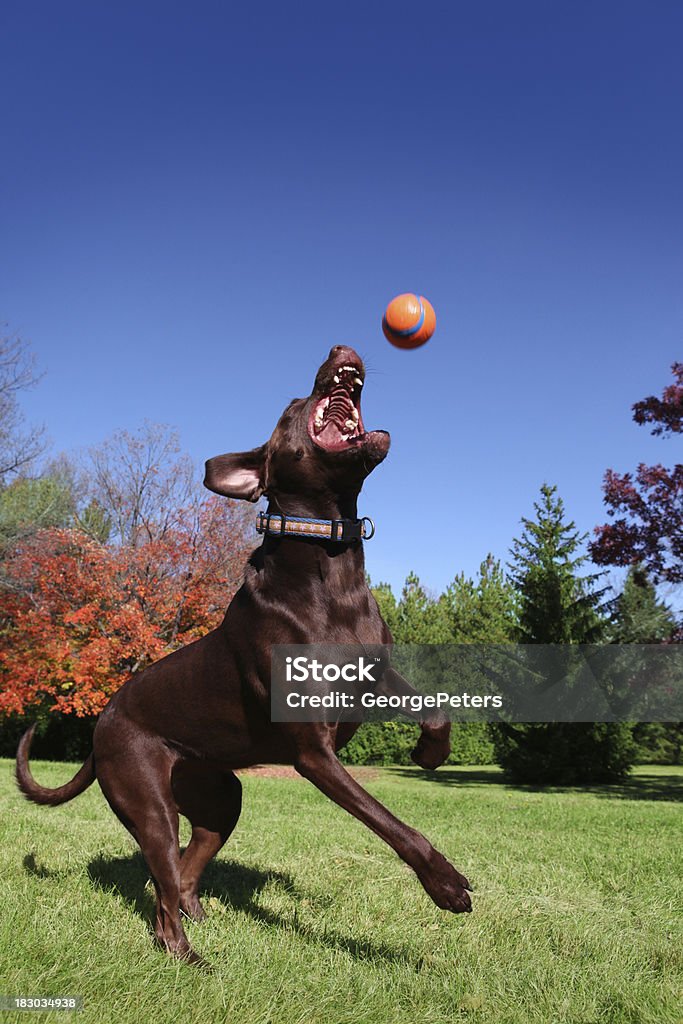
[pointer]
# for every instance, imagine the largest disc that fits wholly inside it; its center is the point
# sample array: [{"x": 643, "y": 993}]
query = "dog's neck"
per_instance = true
[
  {"x": 325, "y": 507},
  {"x": 286, "y": 558}
]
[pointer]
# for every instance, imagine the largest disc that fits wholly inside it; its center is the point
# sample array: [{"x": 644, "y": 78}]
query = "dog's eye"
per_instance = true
[{"x": 299, "y": 453}]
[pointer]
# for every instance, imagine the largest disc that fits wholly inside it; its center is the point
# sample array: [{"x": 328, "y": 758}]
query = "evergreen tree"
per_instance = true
[
  {"x": 30, "y": 504},
  {"x": 658, "y": 742},
  {"x": 481, "y": 611},
  {"x": 419, "y": 618},
  {"x": 638, "y": 617},
  {"x": 386, "y": 602},
  {"x": 95, "y": 522},
  {"x": 557, "y": 605}
]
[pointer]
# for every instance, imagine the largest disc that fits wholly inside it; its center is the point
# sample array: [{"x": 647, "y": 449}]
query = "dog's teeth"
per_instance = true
[
  {"x": 354, "y": 415},
  {"x": 358, "y": 381},
  {"x": 350, "y": 425},
  {"x": 336, "y": 378}
]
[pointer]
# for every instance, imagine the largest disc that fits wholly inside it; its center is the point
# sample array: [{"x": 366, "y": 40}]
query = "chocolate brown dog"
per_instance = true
[{"x": 169, "y": 740}]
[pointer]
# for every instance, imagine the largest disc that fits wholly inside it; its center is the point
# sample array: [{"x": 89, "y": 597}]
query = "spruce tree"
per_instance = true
[
  {"x": 638, "y": 616},
  {"x": 558, "y": 605}
]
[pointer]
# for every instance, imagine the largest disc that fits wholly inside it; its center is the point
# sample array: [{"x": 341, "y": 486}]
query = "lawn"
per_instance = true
[{"x": 577, "y": 902}]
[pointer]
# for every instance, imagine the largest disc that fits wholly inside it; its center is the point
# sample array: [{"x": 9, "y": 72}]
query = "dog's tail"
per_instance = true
[{"x": 83, "y": 778}]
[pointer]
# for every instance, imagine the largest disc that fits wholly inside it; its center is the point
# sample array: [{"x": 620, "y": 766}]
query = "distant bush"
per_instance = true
[
  {"x": 566, "y": 754},
  {"x": 472, "y": 743},
  {"x": 68, "y": 738},
  {"x": 658, "y": 742},
  {"x": 58, "y": 737},
  {"x": 381, "y": 743},
  {"x": 385, "y": 743}
]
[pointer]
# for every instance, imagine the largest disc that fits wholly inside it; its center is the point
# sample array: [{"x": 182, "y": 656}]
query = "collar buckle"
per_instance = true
[{"x": 364, "y": 530}]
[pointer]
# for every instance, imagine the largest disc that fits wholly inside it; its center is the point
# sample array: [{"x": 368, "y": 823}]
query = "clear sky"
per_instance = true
[{"x": 198, "y": 200}]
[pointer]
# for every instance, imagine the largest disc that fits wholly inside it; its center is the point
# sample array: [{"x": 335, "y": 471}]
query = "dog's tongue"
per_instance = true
[{"x": 330, "y": 436}]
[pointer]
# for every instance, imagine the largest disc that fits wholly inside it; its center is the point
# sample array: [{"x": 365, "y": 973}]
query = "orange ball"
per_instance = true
[{"x": 409, "y": 321}]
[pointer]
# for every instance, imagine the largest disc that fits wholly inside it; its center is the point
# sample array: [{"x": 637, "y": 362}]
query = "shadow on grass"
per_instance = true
[
  {"x": 31, "y": 867},
  {"x": 128, "y": 876},
  {"x": 637, "y": 787},
  {"x": 237, "y": 887}
]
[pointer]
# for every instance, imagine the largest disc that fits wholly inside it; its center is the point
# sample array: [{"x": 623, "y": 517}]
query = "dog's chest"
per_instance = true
[{"x": 349, "y": 610}]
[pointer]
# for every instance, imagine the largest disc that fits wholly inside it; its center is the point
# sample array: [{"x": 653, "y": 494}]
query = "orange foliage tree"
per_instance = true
[{"x": 80, "y": 616}]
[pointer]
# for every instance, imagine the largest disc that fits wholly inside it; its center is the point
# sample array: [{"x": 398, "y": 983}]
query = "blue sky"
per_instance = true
[{"x": 198, "y": 201}]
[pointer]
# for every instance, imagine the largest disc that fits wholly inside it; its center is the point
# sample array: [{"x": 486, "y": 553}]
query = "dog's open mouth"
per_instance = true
[{"x": 335, "y": 422}]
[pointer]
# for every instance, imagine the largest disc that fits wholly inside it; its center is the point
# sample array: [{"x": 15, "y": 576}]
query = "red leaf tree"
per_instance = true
[
  {"x": 79, "y": 616},
  {"x": 647, "y": 507}
]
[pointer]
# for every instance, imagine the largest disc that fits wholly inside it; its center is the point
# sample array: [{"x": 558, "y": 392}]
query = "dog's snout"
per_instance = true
[{"x": 343, "y": 352}]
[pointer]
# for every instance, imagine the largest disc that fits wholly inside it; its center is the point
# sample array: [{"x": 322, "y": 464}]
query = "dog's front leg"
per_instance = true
[
  {"x": 446, "y": 886},
  {"x": 433, "y": 746}
]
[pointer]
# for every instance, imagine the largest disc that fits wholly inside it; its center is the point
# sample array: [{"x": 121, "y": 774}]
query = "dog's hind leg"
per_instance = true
[
  {"x": 140, "y": 794},
  {"x": 211, "y": 800}
]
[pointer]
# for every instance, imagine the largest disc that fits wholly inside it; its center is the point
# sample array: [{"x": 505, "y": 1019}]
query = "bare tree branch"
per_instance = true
[
  {"x": 142, "y": 481},
  {"x": 19, "y": 445}
]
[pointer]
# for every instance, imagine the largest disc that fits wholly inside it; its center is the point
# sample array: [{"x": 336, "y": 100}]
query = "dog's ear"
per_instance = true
[{"x": 240, "y": 475}]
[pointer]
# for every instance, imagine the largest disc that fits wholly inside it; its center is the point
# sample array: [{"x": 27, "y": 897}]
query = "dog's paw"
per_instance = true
[
  {"x": 446, "y": 886},
  {"x": 188, "y": 956},
  {"x": 430, "y": 752}
]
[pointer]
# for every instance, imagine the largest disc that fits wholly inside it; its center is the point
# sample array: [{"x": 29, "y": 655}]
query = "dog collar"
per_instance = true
[{"x": 342, "y": 530}]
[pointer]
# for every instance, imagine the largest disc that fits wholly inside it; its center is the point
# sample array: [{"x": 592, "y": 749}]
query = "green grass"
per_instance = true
[{"x": 312, "y": 919}]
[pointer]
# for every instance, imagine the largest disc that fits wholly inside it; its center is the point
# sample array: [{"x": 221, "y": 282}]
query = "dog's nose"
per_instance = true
[{"x": 343, "y": 350}]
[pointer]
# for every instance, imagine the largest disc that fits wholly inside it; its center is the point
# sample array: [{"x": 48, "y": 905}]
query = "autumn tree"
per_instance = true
[
  {"x": 82, "y": 615},
  {"x": 128, "y": 561},
  {"x": 647, "y": 506}
]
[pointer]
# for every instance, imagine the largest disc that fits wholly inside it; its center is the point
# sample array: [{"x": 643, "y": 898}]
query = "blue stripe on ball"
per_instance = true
[{"x": 408, "y": 331}]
